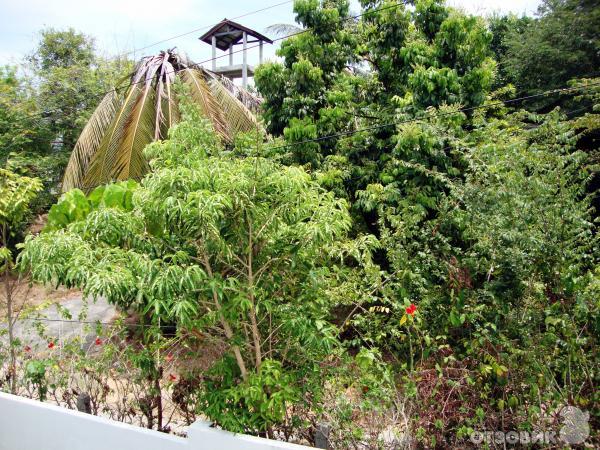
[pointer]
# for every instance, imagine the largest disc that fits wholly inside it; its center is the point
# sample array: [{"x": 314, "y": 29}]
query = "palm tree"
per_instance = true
[
  {"x": 111, "y": 145},
  {"x": 283, "y": 30}
]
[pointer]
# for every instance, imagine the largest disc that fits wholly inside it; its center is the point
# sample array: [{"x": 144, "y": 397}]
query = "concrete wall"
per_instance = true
[{"x": 31, "y": 425}]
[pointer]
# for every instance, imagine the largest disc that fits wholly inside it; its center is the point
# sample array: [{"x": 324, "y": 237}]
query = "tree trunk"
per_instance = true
[
  {"x": 252, "y": 313},
  {"x": 11, "y": 332},
  {"x": 159, "y": 405},
  {"x": 225, "y": 324}
]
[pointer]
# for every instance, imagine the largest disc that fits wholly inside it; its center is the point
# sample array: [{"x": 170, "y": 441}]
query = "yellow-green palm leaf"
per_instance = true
[
  {"x": 90, "y": 140},
  {"x": 239, "y": 118},
  {"x": 201, "y": 92},
  {"x": 112, "y": 143},
  {"x": 120, "y": 155}
]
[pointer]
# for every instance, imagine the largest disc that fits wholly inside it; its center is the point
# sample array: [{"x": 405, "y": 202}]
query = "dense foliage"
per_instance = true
[
  {"x": 16, "y": 194},
  {"x": 44, "y": 112},
  {"x": 410, "y": 259},
  {"x": 486, "y": 222},
  {"x": 72, "y": 78},
  {"x": 561, "y": 44},
  {"x": 210, "y": 242}
]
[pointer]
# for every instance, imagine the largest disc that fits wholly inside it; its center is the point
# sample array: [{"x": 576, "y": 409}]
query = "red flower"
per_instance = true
[
  {"x": 172, "y": 377},
  {"x": 98, "y": 341},
  {"x": 50, "y": 344},
  {"x": 27, "y": 348},
  {"x": 169, "y": 357},
  {"x": 411, "y": 309}
]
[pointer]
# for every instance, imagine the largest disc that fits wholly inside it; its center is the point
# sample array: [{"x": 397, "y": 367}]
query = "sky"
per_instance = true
[{"x": 121, "y": 26}]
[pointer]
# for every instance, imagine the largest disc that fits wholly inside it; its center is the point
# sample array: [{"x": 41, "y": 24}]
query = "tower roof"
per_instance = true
[{"x": 228, "y": 32}]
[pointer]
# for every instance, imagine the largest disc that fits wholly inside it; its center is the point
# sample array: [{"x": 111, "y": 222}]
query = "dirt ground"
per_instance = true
[{"x": 27, "y": 295}]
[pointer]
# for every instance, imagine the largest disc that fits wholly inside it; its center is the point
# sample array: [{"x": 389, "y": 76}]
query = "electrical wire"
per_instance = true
[
  {"x": 415, "y": 119},
  {"x": 89, "y": 322},
  {"x": 418, "y": 119},
  {"x": 126, "y": 86},
  {"x": 379, "y": 285},
  {"x": 187, "y": 33}
]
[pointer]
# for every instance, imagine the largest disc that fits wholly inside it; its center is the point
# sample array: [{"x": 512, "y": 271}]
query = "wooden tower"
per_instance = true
[{"x": 224, "y": 36}]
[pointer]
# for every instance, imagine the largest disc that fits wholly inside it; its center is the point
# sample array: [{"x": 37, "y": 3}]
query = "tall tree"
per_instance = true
[
  {"x": 563, "y": 43},
  {"x": 502, "y": 27},
  {"x": 344, "y": 74},
  {"x": 26, "y": 140},
  {"x": 72, "y": 78},
  {"x": 21, "y": 130},
  {"x": 234, "y": 247}
]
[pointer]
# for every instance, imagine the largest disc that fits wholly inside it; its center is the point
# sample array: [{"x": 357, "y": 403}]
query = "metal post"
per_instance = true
[
  {"x": 84, "y": 403},
  {"x": 260, "y": 52},
  {"x": 322, "y": 435},
  {"x": 231, "y": 54},
  {"x": 214, "y": 53},
  {"x": 245, "y": 63}
]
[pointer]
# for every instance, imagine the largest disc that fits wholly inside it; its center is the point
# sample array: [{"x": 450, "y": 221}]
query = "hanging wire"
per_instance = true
[
  {"x": 198, "y": 64},
  {"x": 206, "y": 27},
  {"x": 418, "y": 119}
]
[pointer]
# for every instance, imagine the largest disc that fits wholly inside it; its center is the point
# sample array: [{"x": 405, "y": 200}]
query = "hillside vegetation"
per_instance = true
[{"x": 406, "y": 248}]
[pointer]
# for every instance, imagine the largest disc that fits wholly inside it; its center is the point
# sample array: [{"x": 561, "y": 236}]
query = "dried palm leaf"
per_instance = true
[
  {"x": 120, "y": 154},
  {"x": 239, "y": 118},
  {"x": 202, "y": 94},
  {"x": 89, "y": 140},
  {"x": 111, "y": 146},
  {"x": 249, "y": 100}
]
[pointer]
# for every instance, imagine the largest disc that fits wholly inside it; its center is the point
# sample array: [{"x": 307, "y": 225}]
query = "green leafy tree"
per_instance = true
[
  {"x": 491, "y": 235},
  {"x": 342, "y": 74},
  {"x": 16, "y": 193},
  {"x": 41, "y": 116},
  {"x": 63, "y": 49},
  {"x": 26, "y": 146},
  {"x": 299, "y": 93},
  {"x": 71, "y": 77},
  {"x": 21, "y": 131},
  {"x": 503, "y": 27},
  {"x": 238, "y": 248},
  {"x": 561, "y": 44}
]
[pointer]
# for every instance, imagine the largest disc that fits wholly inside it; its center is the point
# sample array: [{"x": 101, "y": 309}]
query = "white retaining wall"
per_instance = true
[{"x": 27, "y": 424}]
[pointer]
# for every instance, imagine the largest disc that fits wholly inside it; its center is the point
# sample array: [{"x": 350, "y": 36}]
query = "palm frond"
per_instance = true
[
  {"x": 249, "y": 100},
  {"x": 112, "y": 143},
  {"x": 89, "y": 140},
  {"x": 237, "y": 116},
  {"x": 202, "y": 94},
  {"x": 120, "y": 155},
  {"x": 171, "y": 110},
  {"x": 98, "y": 169},
  {"x": 166, "y": 77},
  {"x": 129, "y": 157}
]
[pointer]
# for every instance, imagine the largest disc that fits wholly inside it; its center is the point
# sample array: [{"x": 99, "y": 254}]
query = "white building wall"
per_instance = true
[{"x": 27, "y": 424}]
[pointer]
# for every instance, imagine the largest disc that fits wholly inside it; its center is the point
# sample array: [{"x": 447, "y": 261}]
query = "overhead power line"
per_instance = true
[
  {"x": 126, "y": 86},
  {"x": 416, "y": 119},
  {"x": 347, "y": 19},
  {"x": 196, "y": 30},
  {"x": 369, "y": 128},
  {"x": 375, "y": 287},
  {"x": 91, "y": 322}
]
